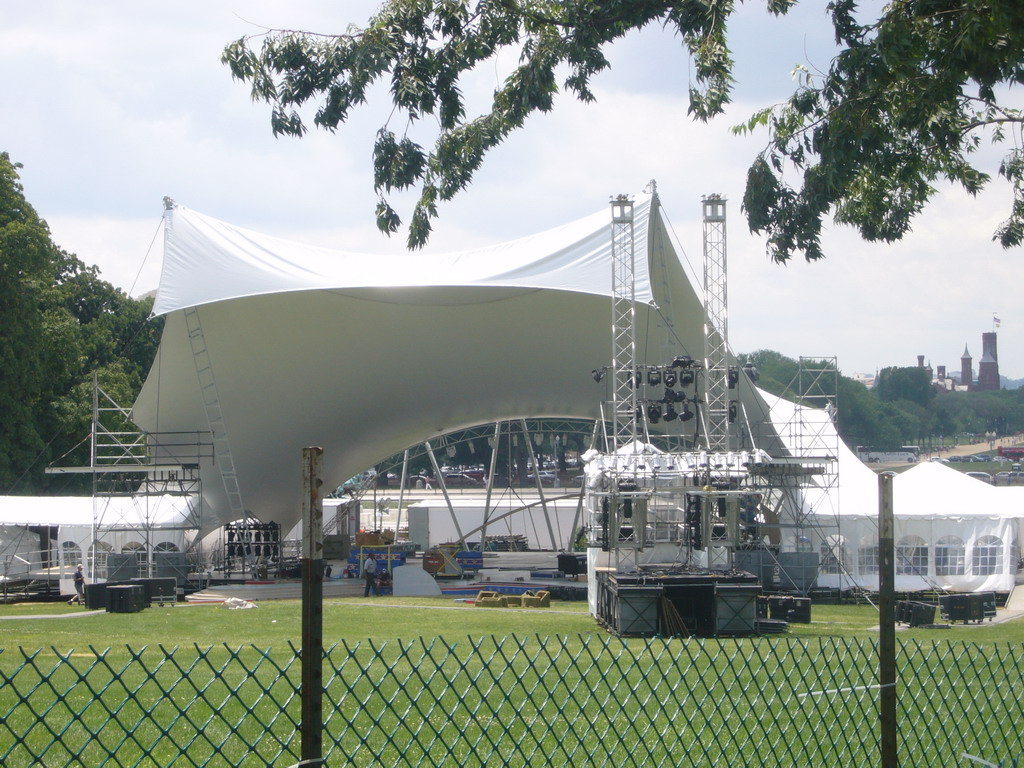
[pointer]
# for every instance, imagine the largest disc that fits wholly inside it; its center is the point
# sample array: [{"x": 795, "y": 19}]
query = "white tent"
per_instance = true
[
  {"x": 118, "y": 523},
  {"x": 164, "y": 511},
  {"x": 365, "y": 355},
  {"x": 952, "y": 532}
]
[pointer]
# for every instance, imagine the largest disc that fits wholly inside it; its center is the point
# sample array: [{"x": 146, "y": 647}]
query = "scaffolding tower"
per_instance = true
[
  {"x": 805, "y": 462},
  {"x": 126, "y": 462}
]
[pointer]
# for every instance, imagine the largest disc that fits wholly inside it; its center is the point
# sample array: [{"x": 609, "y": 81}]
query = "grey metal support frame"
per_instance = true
[
  {"x": 623, "y": 369},
  {"x": 716, "y": 326}
]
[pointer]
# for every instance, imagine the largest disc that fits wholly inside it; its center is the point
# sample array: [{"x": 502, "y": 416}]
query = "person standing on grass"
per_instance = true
[
  {"x": 370, "y": 575},
  {"x": 79, "y": 588}
]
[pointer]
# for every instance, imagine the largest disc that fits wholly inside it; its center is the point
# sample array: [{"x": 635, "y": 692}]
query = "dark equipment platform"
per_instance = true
[{"x": 666, "y": 602}]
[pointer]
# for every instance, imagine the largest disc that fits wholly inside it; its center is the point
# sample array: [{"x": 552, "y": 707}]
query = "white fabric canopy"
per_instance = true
[
  {"x": 367, "y": 355},
  {"x": 207, "y": 260}
]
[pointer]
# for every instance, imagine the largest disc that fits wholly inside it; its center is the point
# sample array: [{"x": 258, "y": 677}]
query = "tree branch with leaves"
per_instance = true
[{"x": 905, "y": 104}]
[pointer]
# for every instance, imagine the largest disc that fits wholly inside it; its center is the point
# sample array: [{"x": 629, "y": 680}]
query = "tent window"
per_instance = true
[
  {"x": 72, "y": 555},
  {"x": 166, "y": 546},
  {"x": 950, "y": 556},
  {"x": 912, "y": 556},
  {"x": 987, "y": 556},
  {"x": 833, "y": 555},
  {"x": 98, "y": 556},
  {"x": 867, "y": 556}
]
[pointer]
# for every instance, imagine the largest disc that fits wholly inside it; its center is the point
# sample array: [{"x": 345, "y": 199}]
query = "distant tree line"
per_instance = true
[
  {"x": 59, "y": 323},
  {"x": 903, "y": 407}
]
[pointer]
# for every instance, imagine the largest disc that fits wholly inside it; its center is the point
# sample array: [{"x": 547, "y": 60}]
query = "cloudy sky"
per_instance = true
[{"x": 110, "y": 106}]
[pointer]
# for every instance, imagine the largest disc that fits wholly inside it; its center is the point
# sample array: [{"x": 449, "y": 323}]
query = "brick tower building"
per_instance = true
[
  {"x": 966, "y": 370},
  {"x": 988, "y": 366}
]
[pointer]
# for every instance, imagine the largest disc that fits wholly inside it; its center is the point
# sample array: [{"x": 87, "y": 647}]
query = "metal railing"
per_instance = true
[{"x": 514, "y": 701}]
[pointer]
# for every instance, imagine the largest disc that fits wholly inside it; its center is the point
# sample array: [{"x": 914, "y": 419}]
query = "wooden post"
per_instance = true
[
  {"x": 312, "y": 608},
  {"x": 886, "y": 622}
]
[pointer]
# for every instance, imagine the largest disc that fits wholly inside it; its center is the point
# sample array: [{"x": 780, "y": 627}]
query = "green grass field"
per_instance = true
[
  {"x": 278, "y": 622},
  {"x": 414, "y": 681}
]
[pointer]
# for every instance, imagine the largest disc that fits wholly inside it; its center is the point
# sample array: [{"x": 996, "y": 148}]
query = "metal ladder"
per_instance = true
[{"x": 214, "y": 415}]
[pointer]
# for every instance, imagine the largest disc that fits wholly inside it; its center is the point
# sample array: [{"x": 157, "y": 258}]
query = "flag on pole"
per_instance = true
[{"x": 995, "y": 321}]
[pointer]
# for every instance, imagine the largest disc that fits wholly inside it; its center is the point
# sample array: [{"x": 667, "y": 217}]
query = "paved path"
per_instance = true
[
  {"x": 972, "y": 448},
  {"x": 75, "y": 615}
]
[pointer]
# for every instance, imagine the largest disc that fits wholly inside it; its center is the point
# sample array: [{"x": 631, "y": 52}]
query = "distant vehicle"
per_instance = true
[
  {"x": 546, "y": 478},
  {"x": 462, "y": 479},
  {"x": 983, "y": 457},
  {"x": 939, "y": 460},
  {"x": 956, "y": 458},
  {"x": 1012, "y": 452},
  {"x": 1002, "y": 476},
  {"x": 907, "y": 453},
  {"x": 985, "y": 477},
  {"x": 1000, "y": 460}
]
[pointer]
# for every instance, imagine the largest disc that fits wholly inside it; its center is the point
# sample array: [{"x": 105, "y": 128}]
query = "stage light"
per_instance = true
[
  {"x": 751, "y": 370},
  {"x": 680, "y": 397},
  {"x": 733, "y": 410},
  {"x": 733, "y": 376},
  {"x": 685, "y": 379},
  {"x": 654, "y": 413},
  {"x": 687, "y": 414},
  {"x": 598, "y": 373},
  {"x": 670, "y": 414},
  {"x": 638, "y": 379},
  {"x": 670, "y": 396},
  {"x": 682, "y": 361},
  {"x": 654, "y": 378},
  {"x": 670, "y": 378}
]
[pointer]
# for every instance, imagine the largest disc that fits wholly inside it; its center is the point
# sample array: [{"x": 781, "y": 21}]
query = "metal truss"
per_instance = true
[{"x": 716, "y": 327}]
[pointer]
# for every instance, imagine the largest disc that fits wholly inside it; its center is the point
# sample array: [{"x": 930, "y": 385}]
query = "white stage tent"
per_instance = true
[
  {"x": 275, "y": 346},
  {"x": 367, "y": 355}
]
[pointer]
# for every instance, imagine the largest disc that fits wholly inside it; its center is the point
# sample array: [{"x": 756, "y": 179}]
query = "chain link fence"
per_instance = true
[{"x": 514, "y": 701}]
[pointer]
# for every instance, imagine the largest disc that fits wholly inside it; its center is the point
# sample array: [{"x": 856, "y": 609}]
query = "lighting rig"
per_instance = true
[
  {"x": 669, "y": 526},
  {"x": 671, "y": 381}
]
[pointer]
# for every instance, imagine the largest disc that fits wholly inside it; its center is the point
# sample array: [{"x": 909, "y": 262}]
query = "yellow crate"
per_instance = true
[
  {"x": 539, "y": 599},
  {"x": 490, "y": 600}
]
